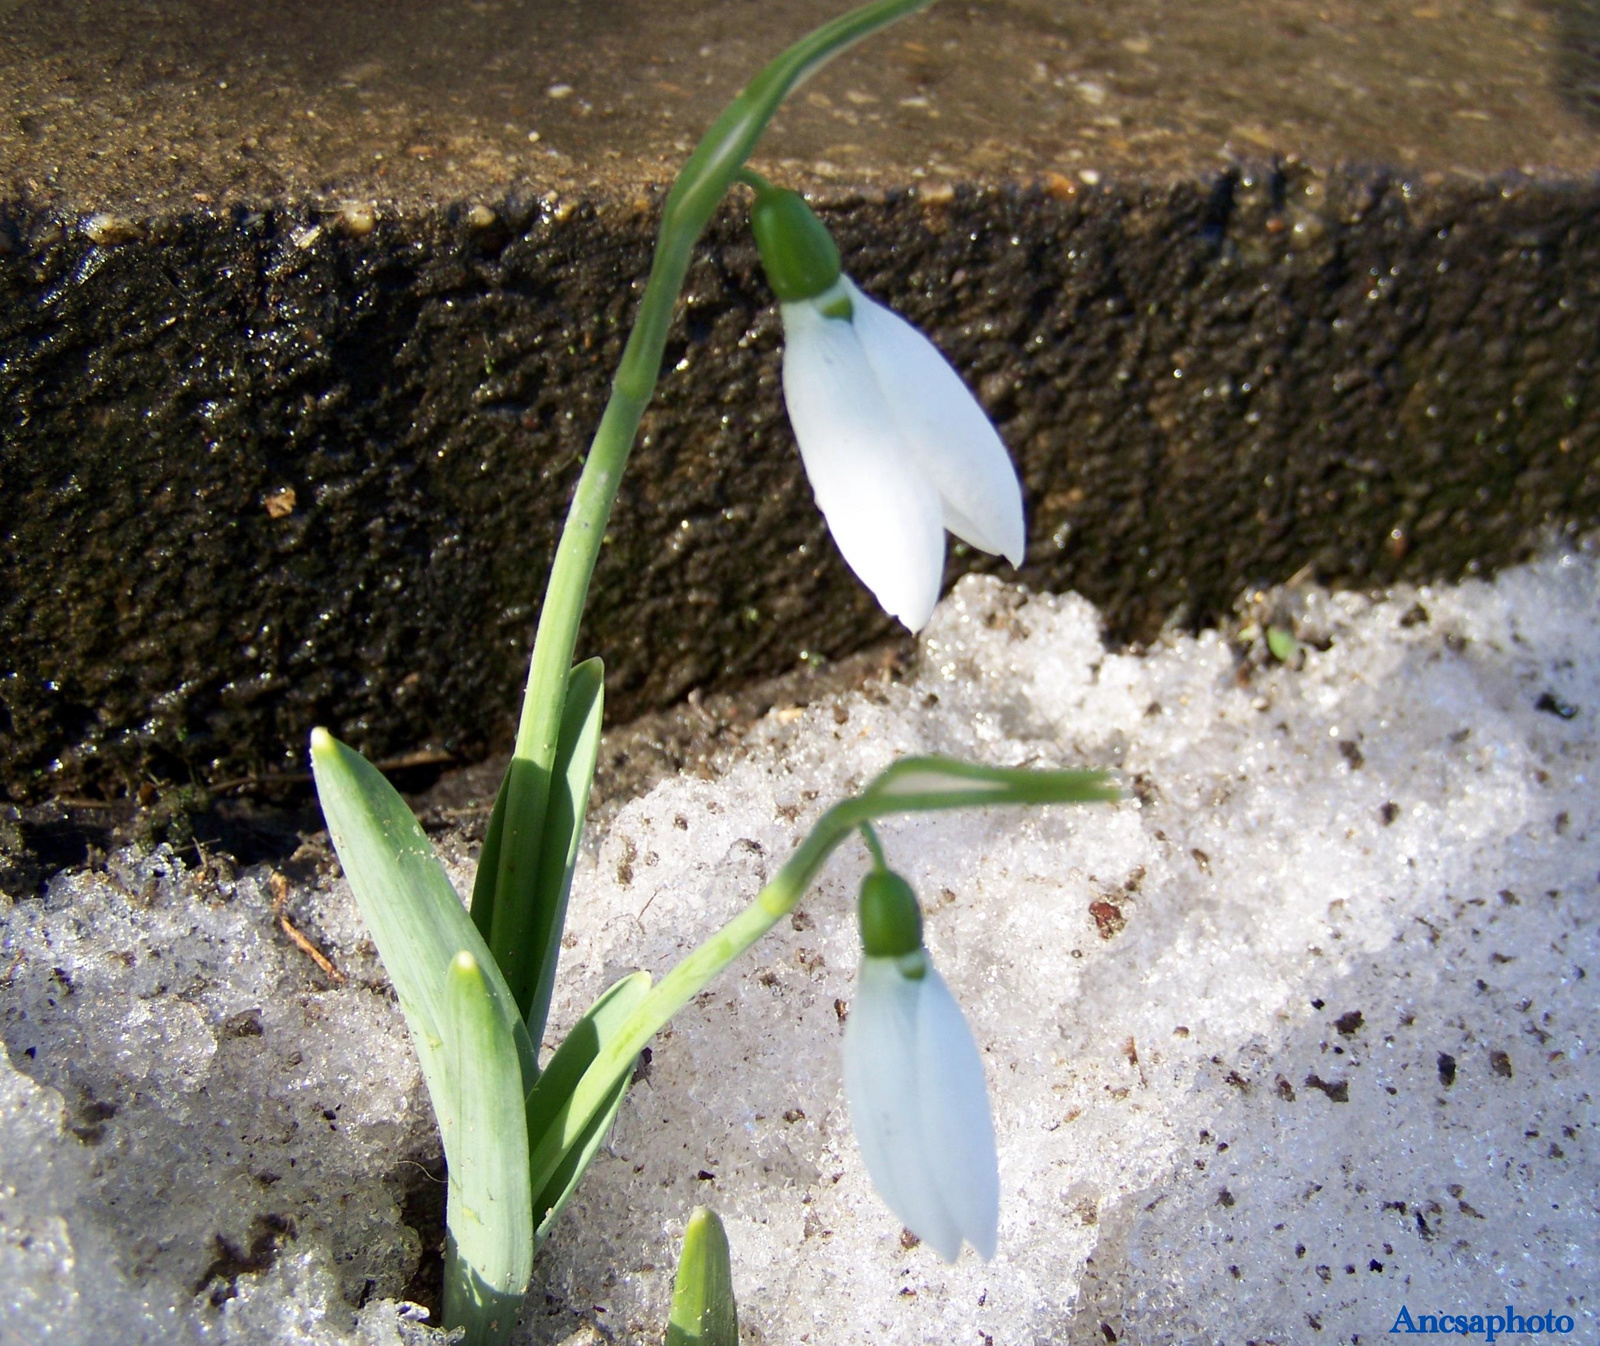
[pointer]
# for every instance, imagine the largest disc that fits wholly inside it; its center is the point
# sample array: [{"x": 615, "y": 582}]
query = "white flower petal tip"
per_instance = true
[
  {"x": 896, "y": 448},
  {"x": 920, "y": 1108},
  {"x": 949, "y": 435}
]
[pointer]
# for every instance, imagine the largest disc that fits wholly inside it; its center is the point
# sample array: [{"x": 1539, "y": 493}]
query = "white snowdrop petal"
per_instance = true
[
  {"x": 946, "y": 430},
  {"x": 882, "y": 509},
  {"x": 880, "y": 1065},
  {"x": 958, "y": 1135}
]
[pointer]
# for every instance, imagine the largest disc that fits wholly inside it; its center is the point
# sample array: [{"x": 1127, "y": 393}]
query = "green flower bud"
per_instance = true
[
  {"x": 891, "y": 921},
  {"x": 798, "y": 252}
]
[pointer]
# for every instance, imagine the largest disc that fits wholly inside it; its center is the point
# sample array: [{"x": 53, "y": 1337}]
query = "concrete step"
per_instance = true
[{"x": 303, "y": 334}]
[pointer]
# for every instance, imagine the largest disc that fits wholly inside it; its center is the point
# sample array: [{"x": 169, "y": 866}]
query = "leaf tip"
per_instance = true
[
  {"x": 703, "y": 1309},
  {"x": 322, "y": 742}
]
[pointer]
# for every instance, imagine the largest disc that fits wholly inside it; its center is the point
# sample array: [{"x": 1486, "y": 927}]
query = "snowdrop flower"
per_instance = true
[
  {"x": 896, "y": 448},
  {"x": 915, "y": 1084}
]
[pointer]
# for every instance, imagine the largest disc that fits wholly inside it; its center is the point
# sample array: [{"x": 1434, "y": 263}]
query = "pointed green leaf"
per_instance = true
[
  {"x": 483, "y": 883},
  {"x": 510, "y": 900},
  {"x": 560, "y": 1078},
  {"x": 573, "y": 1115},
  {"x": 490, "y": 1222},
  {"x": 575, "y": 1163},
  {"x": 577, "y": 750},
  {"x": 407, "y": 901},
  {"x": 519, "y": 898},
  {"x": 703, "y": 1311}
]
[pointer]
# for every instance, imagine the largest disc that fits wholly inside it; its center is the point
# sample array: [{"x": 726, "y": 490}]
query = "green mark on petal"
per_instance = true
[
  {"x": 913, "y": 966},
  {"x": 838, "y": 307}
]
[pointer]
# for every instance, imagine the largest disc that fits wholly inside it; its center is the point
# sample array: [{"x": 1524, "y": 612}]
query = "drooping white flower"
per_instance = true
[
  {"x": 914, "y": 1081},
  {"x": 896, "y": 447}
]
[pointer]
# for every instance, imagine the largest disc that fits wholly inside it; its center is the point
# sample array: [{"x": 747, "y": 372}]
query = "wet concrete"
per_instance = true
[{"x": 288, "y": 428}]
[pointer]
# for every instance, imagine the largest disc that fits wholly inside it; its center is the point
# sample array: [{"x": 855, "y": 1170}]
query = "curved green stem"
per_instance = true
[
  {"x": 692, "y": 972},
  {"x": 911, "y": 785},
  {"x": 701, "y": 185},
  {"x": 754, "y": 181},
  {"x": 870, "y": 836}
]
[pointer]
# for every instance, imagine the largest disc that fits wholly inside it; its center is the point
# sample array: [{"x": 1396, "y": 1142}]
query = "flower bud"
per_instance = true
[
  {"x": 890, "y": 919},
  {"x": 798, "y": 252}
]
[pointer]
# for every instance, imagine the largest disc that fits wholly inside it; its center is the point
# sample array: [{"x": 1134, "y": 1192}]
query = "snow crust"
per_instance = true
[{"x": 1300, "y": 1032}]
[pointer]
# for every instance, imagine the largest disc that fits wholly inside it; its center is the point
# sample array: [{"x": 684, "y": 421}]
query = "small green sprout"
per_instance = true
[
  {"x": 1282, "y": 645},
  {"x": 703, "y": 1311}
]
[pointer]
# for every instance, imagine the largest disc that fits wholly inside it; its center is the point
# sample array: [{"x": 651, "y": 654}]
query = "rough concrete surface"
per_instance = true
[{"x": 302, "y": 336}]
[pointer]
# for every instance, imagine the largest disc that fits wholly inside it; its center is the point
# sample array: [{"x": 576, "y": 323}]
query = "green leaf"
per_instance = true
[
  {"x": 474, "y": 1048},
  {"x": 483, "y": 883},
  {"x": 577, "y": 750},
  {"x": 703, "y": 1311},
  {"x": 504, "y": 898},
  {"x": 490, "y": 1222},
  {"x": 561, "y": 1077},
  {"x": 919, "y": 783},
  {"x": 519, "y": 898},
  {"x": 416, "y": 919}
]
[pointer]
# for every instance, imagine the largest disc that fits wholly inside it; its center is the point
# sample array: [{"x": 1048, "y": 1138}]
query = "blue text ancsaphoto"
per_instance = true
[{"x": 1486, "y": 1325}]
